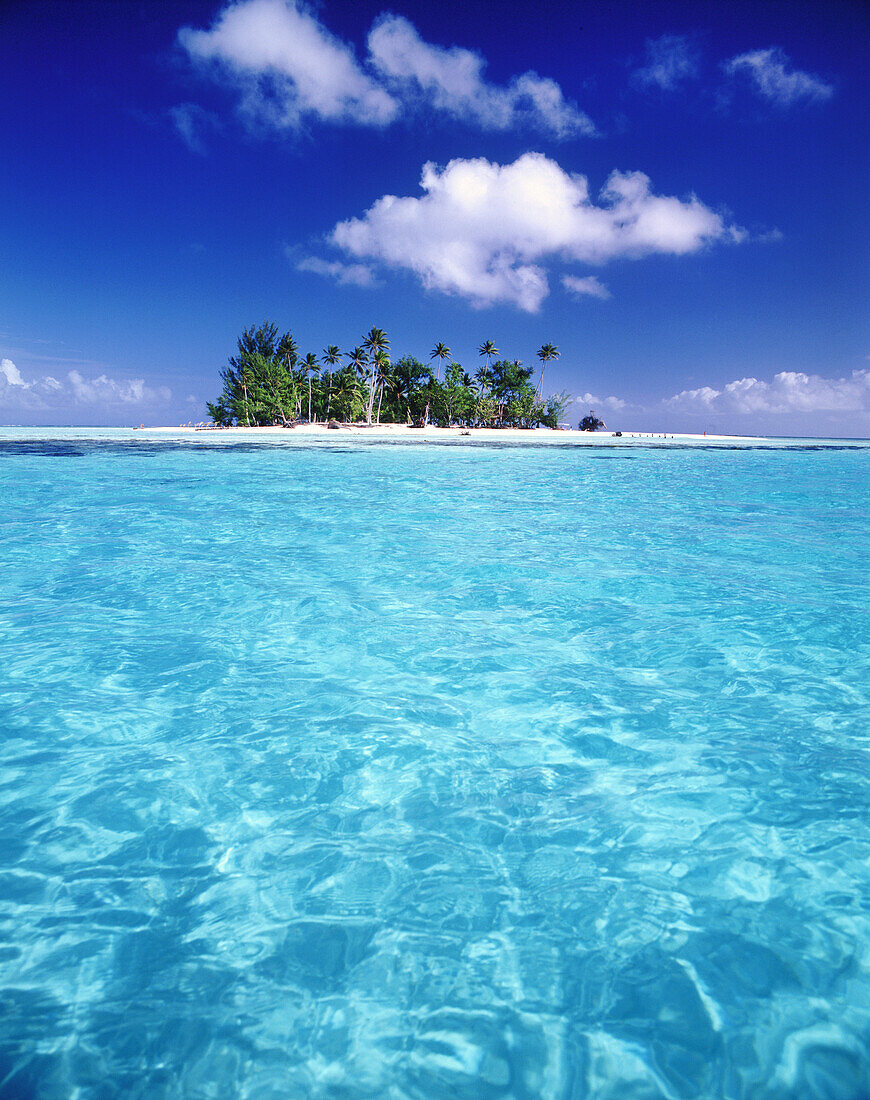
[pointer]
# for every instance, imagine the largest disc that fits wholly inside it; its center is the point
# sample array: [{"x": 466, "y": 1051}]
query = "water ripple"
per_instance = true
[{"x": 423, "y": 772}]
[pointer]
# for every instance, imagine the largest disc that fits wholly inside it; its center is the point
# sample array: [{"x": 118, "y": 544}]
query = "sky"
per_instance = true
[{"x": 675, "y": 194}]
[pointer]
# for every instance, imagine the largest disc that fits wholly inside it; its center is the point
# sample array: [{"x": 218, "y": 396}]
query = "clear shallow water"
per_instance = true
[{"x": 391, "y": 771}]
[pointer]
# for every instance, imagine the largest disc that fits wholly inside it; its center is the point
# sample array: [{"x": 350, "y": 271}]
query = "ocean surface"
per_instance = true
[{"x": 395, "y": 771}]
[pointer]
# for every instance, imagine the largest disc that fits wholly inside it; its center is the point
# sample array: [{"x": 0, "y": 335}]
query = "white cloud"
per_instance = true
[
  {"x": 289, "y": 66},
  {"x": 46, "y": 392},
  {"x": 451, "y": 80},
  {"x": 670, "y": 60},
  {"x": 344, "y": 274},
  {"x": 614, "y": 403},
  {"x": 108, "y": 391},
  {"x": 11, "y": 373},
  {"x": 769, "y": 72},
  {"x": 788, "y": 392},
  {"x": 482, "y": 230},
  {"x": 589, "y": 285}
]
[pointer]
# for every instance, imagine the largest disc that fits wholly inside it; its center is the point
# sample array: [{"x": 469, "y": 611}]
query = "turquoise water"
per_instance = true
[{"x": 393, "y": 771}]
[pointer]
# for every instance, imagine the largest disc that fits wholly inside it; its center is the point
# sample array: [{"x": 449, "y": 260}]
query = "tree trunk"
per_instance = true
[{"x": 371, "y": 401}]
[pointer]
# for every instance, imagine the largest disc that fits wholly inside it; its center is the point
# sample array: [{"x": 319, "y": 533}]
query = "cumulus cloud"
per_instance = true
[
  {"x": 588, "y": 285},
  {"x": 11, "y": 373},
  {"x": 483, "y": 230},
  {"x": 670, "y": 60},
  {"x": 109, "y": 391},
  {"x": 46, "y": 391},
  {"x": 344, "y": 274},
  {"x": 289, "y": 68},
  {"x": 788, "y": 392},
  {"x": 451, "y": 80},
  {"x": 771, "y": 76}
]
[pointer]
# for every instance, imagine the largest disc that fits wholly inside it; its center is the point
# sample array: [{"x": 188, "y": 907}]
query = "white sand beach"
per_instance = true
[{"x": 403, "y": 433}]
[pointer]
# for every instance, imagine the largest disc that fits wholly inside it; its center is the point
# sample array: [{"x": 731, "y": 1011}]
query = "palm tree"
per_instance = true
[
  {"x": 375, "y": 341},
  {"x": 310, "y": 364},
  {"x": 384, "y": 378},
  {"x": 545, "y": 353},
  {"x": 359, "y": 361},
  {"x": 347, "y": 385},
  {"x": 440, "y": 351},
  {"x": 331, "y": 356},
  {"x": 289, "y": 351},
  {"x": 488, "y": 349},
  {"x": 483, "y": 378}
]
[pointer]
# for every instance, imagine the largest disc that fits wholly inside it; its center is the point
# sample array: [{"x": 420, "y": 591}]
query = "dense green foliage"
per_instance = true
[{"x": 267, "y": 382}]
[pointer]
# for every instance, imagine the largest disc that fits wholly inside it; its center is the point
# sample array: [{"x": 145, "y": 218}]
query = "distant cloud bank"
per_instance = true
[
  {"x": 788, "y": 392},
  {"x": 790, "y": 403},
  {"x": 483, "y": 230},
  {"x": 289, "y": 68},
  {"x": 614, "y": 404},
  {"x": 11, "y": 374},
  {"x": 45, "y": 393}
]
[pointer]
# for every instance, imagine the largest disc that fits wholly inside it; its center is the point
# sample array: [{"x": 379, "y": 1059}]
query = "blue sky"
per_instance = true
[{"x": 675, "y": 194}]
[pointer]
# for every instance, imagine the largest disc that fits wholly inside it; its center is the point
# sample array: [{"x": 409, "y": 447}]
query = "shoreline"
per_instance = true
[
  {"x": 406, "y": 434},
  {"x": 318, "y": 435}
]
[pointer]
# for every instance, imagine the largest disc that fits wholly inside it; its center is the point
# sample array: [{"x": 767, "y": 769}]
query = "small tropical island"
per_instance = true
[
  {"x": 268, "y": 383},
  {"x": 269, "y": 386}
]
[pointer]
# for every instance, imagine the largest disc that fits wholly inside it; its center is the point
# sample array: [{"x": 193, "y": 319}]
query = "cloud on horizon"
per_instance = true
[
  {"x": 792, "y": 403},
  {"x": 289, "y": 68},
  {"x": 788, "y": 392},
  {"x": 47, "y": 392},
  {"x": 770, "y": 75},
  {"x": 615, "y": 404},
  {"x": 482, "y": 231},
  {"x": 11, "y": 373}
]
